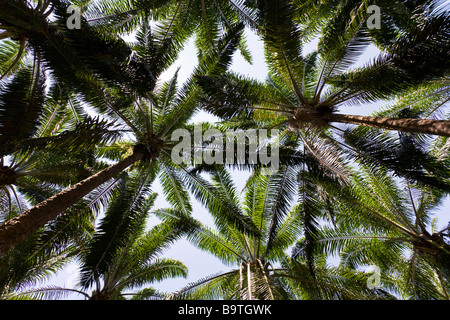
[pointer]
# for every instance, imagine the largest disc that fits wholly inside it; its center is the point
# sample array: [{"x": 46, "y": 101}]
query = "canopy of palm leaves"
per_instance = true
[
  {"x": 86, "y": 125},
  {"x": 261, "y": 268},
  {"x": 121, "y": 254},
  {"x": 150, "y": 120},
  {"x": 392, "y": 226}
]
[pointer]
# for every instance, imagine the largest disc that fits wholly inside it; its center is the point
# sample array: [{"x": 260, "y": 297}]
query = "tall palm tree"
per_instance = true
[
  {"x": 123, "y": 254},
  {"x": 260, "y": 265},
  {"x": 87, "y": 62},
  {"x": 151, "y": 121},
  {"x": 307, "y": 91},
  {"x": 391, "y": 227},
  {"x": 302, "y": 93}
]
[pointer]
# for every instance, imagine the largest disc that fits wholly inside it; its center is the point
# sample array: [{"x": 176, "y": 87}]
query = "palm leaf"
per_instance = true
[
  {"x": 420, "y": 167},
  {"x": 124, "y": 217},
  {"x": 282, "y": 42},
  {"x": 21, "y": 104}
]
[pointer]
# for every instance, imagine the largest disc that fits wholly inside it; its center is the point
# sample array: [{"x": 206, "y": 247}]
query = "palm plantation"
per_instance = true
[
  {"x": 86, "y": 124},
  {"x": 152, "y": 121}
]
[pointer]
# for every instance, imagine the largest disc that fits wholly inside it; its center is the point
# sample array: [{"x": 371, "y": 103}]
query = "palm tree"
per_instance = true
[
  {"x": 151, "y": 122},
  {"x": 254, "y": 258},
  {"x": 39, "y": 136},
  {"x": 87, "y": 62},
  {"x": 122, "y": 253},
  {"x": 381, "y": 224},
  {"x": 307, "y": 91},
  {"x": 303, "y": 93}
]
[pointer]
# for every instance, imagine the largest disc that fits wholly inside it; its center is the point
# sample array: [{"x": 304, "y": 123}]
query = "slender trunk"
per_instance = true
[
  {"x": 23, "y": 226},
  {"x": 427, "y": 126}
]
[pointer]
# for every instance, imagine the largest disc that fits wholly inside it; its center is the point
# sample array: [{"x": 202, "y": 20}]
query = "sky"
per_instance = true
[{"x": 201, "y": 264}]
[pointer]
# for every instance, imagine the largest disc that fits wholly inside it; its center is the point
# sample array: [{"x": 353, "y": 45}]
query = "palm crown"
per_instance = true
[{"x": 398, "y": 234}]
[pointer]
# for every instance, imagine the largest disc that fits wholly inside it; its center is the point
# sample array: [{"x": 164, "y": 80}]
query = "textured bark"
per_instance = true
[
  {"x": 427, "y": 126},
  {"x": 21, "y": 227}
]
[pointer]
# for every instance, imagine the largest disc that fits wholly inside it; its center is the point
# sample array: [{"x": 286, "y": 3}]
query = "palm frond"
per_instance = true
[
  {"x": 21, "y": 104},
  {"x": 282, "y": 42},
  {"x": 173, "y": 188},
  {"x": 420, "y": 167},
  {"x": 224, "y": 212},
  {"x": 210, "y": 287},
  {"x": 280, "y": 193},
  {"x": 157, "y": 270},
  {"x": 46, "y": 293},
  {"x": 123, "y": 220},
  {"x": 212, "y": 64}
]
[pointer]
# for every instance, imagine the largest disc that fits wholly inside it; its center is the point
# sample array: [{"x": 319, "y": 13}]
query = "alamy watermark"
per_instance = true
[
  {"x": 233, "y": 147},
  {"x": 224, "y": 150},
  {"x": 374, "y": 21},
  {"x": 74, "y": 20},
  {"x": 374, "y": 280}
]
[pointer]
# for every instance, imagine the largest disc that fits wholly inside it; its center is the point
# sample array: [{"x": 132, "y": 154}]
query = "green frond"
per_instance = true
[
  {"x": 282, "y": 39},
  {"x": 12, "y": 57},
  {"x": 86, "y": 135},
  {"x": 289, "y": 231},
  {"x": 21, "y": 104},
  {"x": 159, "y": 46},
  {"x": 231, "y": 95},
  {"x": 279, "y": 197},
  {"x": 45, "y": 293},
  {"x": 417, "y": 277},
  {"x": 173, "y": 188},
  {"x": 223, "y": 180},
  {"x": 124, "y": 220},
  {"x": 207, "y": 239},
  {"x": 223, "y": 211},
  {"x": 398, "y": 70},
  {"x": 325, "y": 155},
  {"x": 157, "y": 270},
  {"x": 216, "y": 62},
  {"x": 124, "y": 17},
  {"x": 404, "y": 158},
  {"x": 209, "y": 288},
  {"x": 428, "y": 101}
]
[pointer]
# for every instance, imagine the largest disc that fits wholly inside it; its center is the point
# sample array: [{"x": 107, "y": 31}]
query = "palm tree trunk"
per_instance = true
[
  {"x": 23, "y": 226},
  {"x": 427, "y": 126}
]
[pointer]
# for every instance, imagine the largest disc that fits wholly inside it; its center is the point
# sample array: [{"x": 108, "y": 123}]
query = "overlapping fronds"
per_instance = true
[
  {"x": 21, "y": 104},
  {"x": 75, "y": 101}
]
